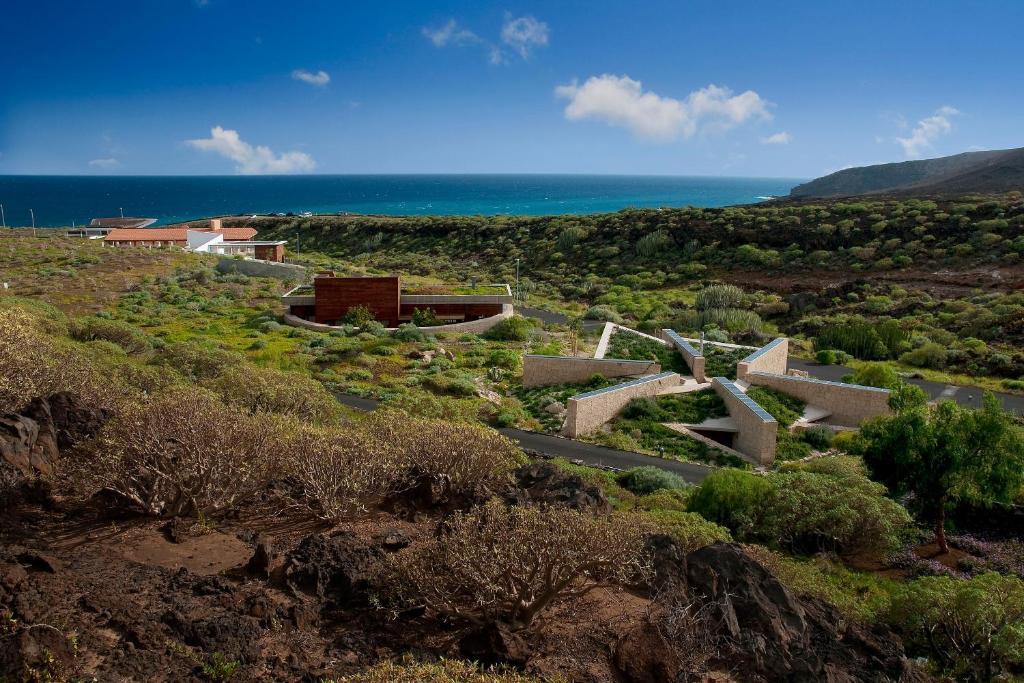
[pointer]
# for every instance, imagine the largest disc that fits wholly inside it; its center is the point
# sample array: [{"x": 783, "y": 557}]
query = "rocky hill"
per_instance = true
[{"x": 990, "y": 171}]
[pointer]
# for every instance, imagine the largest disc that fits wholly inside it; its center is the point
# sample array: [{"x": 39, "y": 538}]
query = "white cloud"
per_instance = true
[
  {"x": 319, "y": 79},
  {"x": 927, "y": 131},
  {"x": 252, "y": 160},
  {"x": 106, "y": 163},
  {"x": 523, "y": 34},
  {"x": 781, "y": 138},
  {"x": 450, "y": 34},
  {"x": 621, "y": 101}
]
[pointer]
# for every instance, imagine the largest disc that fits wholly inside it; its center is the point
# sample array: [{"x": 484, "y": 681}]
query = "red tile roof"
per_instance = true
[{"x": 171, "y": 234}]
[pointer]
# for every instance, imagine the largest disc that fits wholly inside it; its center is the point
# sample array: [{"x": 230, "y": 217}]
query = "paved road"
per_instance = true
[
  {"x": 556, "y": 446},
  {"x": 553, "y": 318},
  {"x": 965, "y": 396}
]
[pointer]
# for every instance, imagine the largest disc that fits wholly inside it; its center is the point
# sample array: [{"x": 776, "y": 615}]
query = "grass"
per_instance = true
[{"x": 721, "y": 362}]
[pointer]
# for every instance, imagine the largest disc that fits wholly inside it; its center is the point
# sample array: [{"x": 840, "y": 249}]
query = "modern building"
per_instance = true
[
  {"x": 330, "y": 298},
  {"x": 101, "y": 227},
  {"x": 215, "y": 239}
]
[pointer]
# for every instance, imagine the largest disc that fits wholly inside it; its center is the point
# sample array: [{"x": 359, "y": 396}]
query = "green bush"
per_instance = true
[
  {"x": 408, "y": 332},
  {"x": 971, "y": 629},
  {"x": 826, "y": 357},
  {"x": 357, "y": 316},
  {"x": 128, "y": 337},
  {"x": 516, "y": 328},
  {"x": 604, "y": 313},
  {"x": 645, "y": 480},
  {"x": 690, "y": 530},
  {"x": 819, "y": 436},
  {"x": 928, "y": 355},
  {"x": 505, "y": 358},
  {"x": 784, "y": 408},
  {"x": 425, "y": 317},
  {"x": 733, "y": 499},
  {"x": 875, "y": 375}
]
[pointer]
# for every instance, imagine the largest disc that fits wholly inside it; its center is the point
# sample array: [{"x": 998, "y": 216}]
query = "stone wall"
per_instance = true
[
  {"x": 772, "y": 357},
  {"x": 850, "y": 404},
  {"x": 588, "y": 411},
  {"x": 757, "y": 431},
  {"x": 541, "y": 371},
  {"x": 256, "y": 268},
  {"x": 692, "y": 356}
]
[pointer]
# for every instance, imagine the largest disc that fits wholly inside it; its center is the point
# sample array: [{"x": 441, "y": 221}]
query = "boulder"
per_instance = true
[
  {"x": 338, "y": 569},
  {"x": 32, "y": 440},
  {"x": 555, "y": 408},
  {"x": 262, "y": 561},
  {"x": 762, "y": 628},
  {"x": 545, "y": 484},
  {"x": 18, "y": 435}
]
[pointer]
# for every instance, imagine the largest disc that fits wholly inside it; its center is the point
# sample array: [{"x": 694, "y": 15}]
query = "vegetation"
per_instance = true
[
  {"x": 509, "y": 564},
  {"x": 630, "y": 346},
  {"x": 945, "y": 455}
]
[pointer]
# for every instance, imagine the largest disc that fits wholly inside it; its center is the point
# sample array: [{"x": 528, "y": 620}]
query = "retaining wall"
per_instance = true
[
  {"x": 588, "y": 411},
  {"x": 473, "y": 326},
  {"x": 691, "y": 355},
  {"x": 612, "y": 328},
  {"x": 258, "y": 268},
  {"x": 541, "y": 371},
  {"x": 772, "y": 357},
  {"x": 758, "y": 430},
  {"x": 850, "y": 404}
]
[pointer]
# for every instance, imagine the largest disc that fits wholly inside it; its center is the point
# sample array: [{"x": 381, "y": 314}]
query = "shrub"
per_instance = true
[
  {"x": 644, "y": 480},
  {"x": 425, "y": 317},
  {"x": 185, "y": 452},
  {"x": 128, "y": 337},
  {"x": 33, "y": 363},
  {"x": 928, "y": 355},
  {"x": 604, "y": 313},
  {"x": 258, "y": 389},
  {"x": 826, "y": 357},
  {"x": 510, "y": 564},
  {"x": 443, "y": 671},
  {"x": 357, "y": 316},
  {"x": 196, "y": 360},
  {"x": 505, "y": 358},
  {"x": 464, "y": 461},
  {"x": 868, "y": 341},
  {"x": 784, "y": 408},
  {"x": 970, "y": 628},
  {"x": 875, "y": 375},
  {"x": 720, "y": 296},
  {"x": 733, "y": 499},
  {"x": 338, "y": 470},
  {"x": 569, "y": 238},
  {"x": 408, "y": 332},
  {"x": 690, "y": 530},
  {"x": 516, "y": 328},
  {"x": 653, "y": 244},
  {"x": 819, "y": 436}
]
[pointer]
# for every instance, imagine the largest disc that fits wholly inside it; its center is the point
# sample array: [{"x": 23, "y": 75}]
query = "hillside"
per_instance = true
[{"x": 989, "y": 171}]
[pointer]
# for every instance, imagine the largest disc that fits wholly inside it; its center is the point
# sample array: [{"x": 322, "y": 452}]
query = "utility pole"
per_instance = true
[
  {"x": 122, "y": 211},
  {"x": 31, "y": 211},
  {"x": 297, "y": 245},
  {"x": 3, "y": 218},
  {"x": 519, "y": 294}
]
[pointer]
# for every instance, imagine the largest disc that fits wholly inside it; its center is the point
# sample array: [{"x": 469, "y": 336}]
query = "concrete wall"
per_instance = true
[
  {"x": 692, "y": 356},
  {"x": 281, "y": 271},
  {"x": 850, "y": 404},
  {"x": 473, "y": 326},
  {"x": 541, "y": 371},
  {"x": 587, "y": 412},
  {"x": 460, "y": 311},
  {"x": 758, "y": 430},
  {"x": 772, "y": 357}
]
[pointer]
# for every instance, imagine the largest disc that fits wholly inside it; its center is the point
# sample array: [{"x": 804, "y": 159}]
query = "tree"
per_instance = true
[
  {"x": 575, "y": 326},
  {"x": 945, "y": 454}
]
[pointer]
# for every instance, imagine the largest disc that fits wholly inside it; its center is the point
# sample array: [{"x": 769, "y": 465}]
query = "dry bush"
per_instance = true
[
  {"x": 184, "y": 452},
  {"x": 34, "y": 362},
  {"x": 467, "y": 460},
  {"x": 128, "y": 337},
  {"x": 443, "y": 671},
  {"x": 508, "y": 564},
  {"x": 688, "y": 630},
  {"x": 259, "y": 389},
  {"x": 340, "y": 470}
]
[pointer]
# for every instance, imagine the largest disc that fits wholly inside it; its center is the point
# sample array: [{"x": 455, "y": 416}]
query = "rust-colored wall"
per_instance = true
[
  {"x": 335, "y": 295},
  {"x": 471, "y": 311},
  {"x": 267, "y": 253}
]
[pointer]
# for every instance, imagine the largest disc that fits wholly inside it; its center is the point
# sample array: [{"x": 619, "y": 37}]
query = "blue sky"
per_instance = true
[{"x": 682, "y": 87}]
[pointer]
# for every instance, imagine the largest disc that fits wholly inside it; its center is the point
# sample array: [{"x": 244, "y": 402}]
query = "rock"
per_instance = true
[
  {"x": 794, "y": 372},
  {"x": 555, "y": 408},
  {"x": 762, "y": 628},
  {"x": 32, "y": 440},
  {"x": 640, "y": 657},
  {"x": 262, "y": 560},
  {"x": 801, "y": 301},
  {"x": 337, "y": 569},
  {"x": 37, "y": 652},
  {"x": 40, "y": 562},
  {"x": 303, "y": 616},
  {"x": 494, "y": 644},
  {"x": 393, "y": 541},
  {"x": 11, "y": 576},
  {"x": 544, "y": 483}
]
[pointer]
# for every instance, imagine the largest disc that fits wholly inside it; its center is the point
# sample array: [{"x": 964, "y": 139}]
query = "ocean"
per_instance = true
[{"x": 63, "y": 200}]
